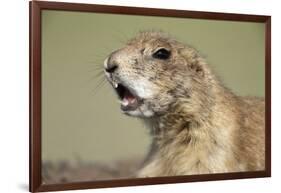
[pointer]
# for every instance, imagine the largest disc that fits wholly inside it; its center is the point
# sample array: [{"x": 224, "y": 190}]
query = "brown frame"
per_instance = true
[{"x": 35, "y": 7}]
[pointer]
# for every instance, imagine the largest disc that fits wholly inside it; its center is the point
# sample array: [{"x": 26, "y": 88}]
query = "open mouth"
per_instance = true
[{"x": 129, "y": 101}]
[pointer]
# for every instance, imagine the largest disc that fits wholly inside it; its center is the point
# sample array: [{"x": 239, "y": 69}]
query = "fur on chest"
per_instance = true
[{"x": 185, "y": 148}]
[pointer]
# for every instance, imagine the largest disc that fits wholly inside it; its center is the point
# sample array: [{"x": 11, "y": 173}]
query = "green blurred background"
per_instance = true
[{"x": 81, "y": 120}]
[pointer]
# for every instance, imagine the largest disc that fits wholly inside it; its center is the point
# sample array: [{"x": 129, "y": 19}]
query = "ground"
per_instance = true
[{"x": 64, "y": 171}]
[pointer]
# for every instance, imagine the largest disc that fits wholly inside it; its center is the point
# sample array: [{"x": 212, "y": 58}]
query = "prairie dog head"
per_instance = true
[{"x": 152, "y": 72}]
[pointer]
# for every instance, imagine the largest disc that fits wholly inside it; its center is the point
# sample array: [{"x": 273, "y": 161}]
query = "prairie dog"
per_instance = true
[{"x": 198, "y": 126}]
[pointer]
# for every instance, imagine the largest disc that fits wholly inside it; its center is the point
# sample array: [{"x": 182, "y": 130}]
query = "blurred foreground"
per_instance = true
[{"x": 66, "y": 172}]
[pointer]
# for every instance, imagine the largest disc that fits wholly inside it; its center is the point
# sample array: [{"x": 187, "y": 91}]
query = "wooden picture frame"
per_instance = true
[{"x": 36, "y": 8}]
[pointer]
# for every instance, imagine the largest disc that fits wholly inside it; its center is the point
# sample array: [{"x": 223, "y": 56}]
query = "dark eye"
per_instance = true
[{"x": 162, "y": 54}]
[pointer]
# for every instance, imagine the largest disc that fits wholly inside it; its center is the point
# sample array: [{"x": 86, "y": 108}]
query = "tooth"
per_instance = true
[
  {"x": 124, "y": 102},
  {"x": 115, "y": 85}
]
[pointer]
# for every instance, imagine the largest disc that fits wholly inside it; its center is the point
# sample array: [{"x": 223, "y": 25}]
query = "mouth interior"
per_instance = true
[{"x": 128, "y": 100}]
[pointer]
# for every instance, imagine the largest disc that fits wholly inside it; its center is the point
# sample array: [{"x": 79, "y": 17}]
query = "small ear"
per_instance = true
[
  {"x": 193, "y": 61},
  {"x": 197, "y": 68}
]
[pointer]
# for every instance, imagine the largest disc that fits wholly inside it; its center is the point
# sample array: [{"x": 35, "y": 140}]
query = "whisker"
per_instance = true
[
  {"x": 94, "y": 64},
  {"x": 97, "y": 76},
  {"x": 99, "y": 86},
  {"x": 96, "y": 69},
  {"x": 95, "y": 61}
]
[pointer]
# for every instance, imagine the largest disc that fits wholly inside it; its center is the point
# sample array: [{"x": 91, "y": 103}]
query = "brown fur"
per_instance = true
[{"x": 198, "y": 126}]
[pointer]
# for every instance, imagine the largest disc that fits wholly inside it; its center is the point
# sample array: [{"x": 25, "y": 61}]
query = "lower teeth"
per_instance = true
[{"x": 126, "y": 102}]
